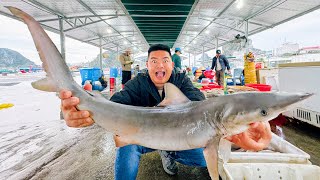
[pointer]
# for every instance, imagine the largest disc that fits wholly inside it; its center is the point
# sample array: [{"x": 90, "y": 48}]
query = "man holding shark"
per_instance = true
[
  {"x": 183, "y": 124},
  {"x": 148, "y": 90}
]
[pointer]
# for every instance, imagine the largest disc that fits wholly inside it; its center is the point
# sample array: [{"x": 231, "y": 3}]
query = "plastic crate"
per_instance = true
[
  {"x": 285, "y": 152},
  {"x": 113, "y": 72},
  {"x": 266, "y": 171},
  {"x": 91, "y": 74},
  {"x": 260, "y": 87}
]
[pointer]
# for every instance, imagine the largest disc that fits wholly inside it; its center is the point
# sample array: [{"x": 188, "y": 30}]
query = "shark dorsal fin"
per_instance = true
[{"x": 173, "y": 96}]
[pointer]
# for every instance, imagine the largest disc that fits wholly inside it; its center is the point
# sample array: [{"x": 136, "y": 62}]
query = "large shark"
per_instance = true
[{"x": 180, "y": 126}]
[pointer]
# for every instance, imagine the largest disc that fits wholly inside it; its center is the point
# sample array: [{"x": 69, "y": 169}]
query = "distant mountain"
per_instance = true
[{"x": 12, "y": 59}]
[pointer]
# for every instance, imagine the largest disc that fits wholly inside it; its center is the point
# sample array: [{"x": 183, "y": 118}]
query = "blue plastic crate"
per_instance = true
[
  {"x": 113, "y": 72},
  {"x": 91, "y": 74}
]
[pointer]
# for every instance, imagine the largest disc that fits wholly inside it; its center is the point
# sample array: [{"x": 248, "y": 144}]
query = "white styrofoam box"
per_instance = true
[
  {"x": 267, "y": 171},
  {"x": 285, "y": 152}
]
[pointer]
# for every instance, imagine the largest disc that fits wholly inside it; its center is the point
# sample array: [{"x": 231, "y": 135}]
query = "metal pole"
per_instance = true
[
  {"x": 117, "y": 52},
  {"x": 202, "y": 55},
  {"x": 217, "y": 43},
  {"x": 100, "y": 41},
  {"x": 246, "y": 31},
  {"x": 194, "y": 59},
  {"x": 62, "y": 39},
  {"x": 189, "y": 60}
]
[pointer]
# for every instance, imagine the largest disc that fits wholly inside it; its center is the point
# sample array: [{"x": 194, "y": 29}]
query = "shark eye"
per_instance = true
[{"x": 264, "y": 112}]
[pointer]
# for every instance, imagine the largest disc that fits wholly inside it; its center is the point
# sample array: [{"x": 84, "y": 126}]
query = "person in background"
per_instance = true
[
  {"x": 177, "y": 59},
  {"x": 220, "y": 63},
  {"x": 147, "y": 90},
  {"x": 136, "y": 70},
  {"x": 126, "y": 62}
]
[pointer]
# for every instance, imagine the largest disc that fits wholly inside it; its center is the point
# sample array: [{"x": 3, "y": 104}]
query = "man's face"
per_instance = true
[{"x": 160, "y": 67}]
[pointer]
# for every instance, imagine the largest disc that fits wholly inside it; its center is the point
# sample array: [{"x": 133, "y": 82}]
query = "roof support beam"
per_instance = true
[
  {"x": 229, "y": 27},
  {"x": 224, "y": 10},
  {"x": 55, "y": 13},
  {"x": 95, "y": 38},
  {"x": 94, "y": 13},
  {"x": 46, "y": 8},
  {"x": 284, "y": 21},
  {"x": 62, "y": 39},
  {"x": 131, "y": 20},
  {"x": 85, "y": 24},
  {"x": 140, "y": 4},
  {"x": 265, "y": 8}
]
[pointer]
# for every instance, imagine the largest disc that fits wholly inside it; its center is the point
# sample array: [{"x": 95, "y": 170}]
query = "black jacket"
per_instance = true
[
  {"x": 140, "y": 91},
  {"x": 223, "y": 61}
]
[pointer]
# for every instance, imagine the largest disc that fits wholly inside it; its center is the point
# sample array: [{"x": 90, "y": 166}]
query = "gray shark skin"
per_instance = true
[{"x": 180, "y": 126}]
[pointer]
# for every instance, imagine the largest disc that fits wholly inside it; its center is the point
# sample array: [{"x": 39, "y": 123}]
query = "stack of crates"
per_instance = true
[{"x": 92, "y": 75}]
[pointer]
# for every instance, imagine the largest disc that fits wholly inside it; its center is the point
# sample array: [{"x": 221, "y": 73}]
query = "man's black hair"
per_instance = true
[
  {"x": 176, "y": 51},
  {"x": 157, "y": 47}
]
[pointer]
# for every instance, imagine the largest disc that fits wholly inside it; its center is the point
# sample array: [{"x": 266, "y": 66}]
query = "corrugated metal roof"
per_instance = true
[
  {"x": 193, "y": 25},
  {"x": 86, "y": 21},
  {"x": 224, "y": 19},
  {"x": 159, "y": 21}
]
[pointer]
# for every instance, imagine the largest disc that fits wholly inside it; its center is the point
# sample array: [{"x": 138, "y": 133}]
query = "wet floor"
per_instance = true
[{"x": 306, "y": 137}]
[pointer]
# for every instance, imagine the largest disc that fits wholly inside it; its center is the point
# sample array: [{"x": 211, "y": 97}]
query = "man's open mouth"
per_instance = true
[{"x": 160, "y": 74}]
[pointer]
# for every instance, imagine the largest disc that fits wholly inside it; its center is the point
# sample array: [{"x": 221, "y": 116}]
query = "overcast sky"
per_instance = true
[{"x": 304, "y": 30}]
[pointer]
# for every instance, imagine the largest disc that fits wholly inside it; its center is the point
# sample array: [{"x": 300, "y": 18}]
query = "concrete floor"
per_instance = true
[{"x": 306, "y": 137}]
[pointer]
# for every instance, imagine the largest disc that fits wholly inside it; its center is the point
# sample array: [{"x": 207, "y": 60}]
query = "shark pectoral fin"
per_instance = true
[
  {"x": 45, "y": 84},
  {"x": 211, "y": 155},
  {"x": 224, "y": 150}
]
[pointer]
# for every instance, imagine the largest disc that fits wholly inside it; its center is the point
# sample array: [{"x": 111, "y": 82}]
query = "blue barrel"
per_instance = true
[{"x": 113, "y": 72}]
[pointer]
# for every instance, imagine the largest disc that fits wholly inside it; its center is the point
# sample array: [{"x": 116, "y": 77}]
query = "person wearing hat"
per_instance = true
[
  {"x": 220, "y": 63},
  {"x": 126, "y": 62},
  {"x": 176, "y": 59}
]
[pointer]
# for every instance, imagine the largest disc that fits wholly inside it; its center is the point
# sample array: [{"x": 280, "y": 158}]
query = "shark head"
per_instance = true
[{"x": 242, "y": 109}]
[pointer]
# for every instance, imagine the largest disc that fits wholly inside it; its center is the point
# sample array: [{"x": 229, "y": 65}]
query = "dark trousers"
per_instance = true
[
  {"x": 220, "y": 77},
  {"x": 126, "y": 76}
]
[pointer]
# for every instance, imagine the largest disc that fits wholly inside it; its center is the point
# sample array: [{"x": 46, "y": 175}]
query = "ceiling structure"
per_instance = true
[
  {"x": 194, "y": 25},
  {"x": 215, "y": 22},
  {"x": 159, "y": 21},
  {"x": 85, "y": 20}
]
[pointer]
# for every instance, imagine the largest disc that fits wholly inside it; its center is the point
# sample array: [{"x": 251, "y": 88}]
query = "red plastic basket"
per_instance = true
[
  {"x": 260, "y": 87},
  {"x": 208, "y": 74}
]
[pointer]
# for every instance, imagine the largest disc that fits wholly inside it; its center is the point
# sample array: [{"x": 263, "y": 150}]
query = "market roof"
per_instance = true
[
  {"x": 221, "y": 21},
  {"x": 86, "y": 21},
  {"x": 159, "y": 21},
  {"x": 193, "y": 25}
]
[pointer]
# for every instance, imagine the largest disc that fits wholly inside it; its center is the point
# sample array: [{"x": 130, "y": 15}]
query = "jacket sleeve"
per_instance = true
[
  {"x": 213, "y": 64},
  {"x": 193, "y": 93},
  {"x": 123, "y": 62},
  {"x": 226, "y": 62},
  {"x": 128, "y": 95},
  {"x": 121, "y": 59}
]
